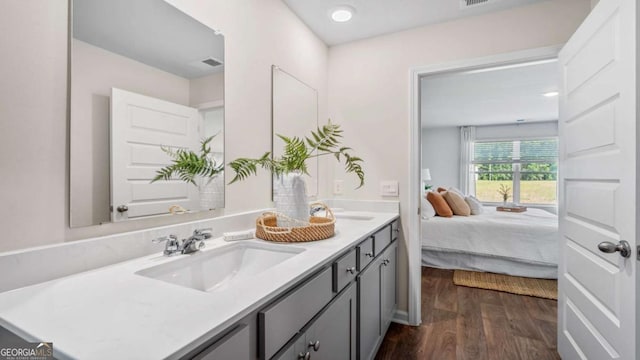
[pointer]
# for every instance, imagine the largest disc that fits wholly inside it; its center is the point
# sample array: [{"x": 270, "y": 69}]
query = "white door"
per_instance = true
[
  {"x": 140, "y": 125},
  {"x": 597, "y": 302}
]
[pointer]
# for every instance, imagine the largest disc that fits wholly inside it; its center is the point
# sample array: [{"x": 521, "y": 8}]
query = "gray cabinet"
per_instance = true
[
  {"x": 388, "y": 276},
  {"x": 341, "y": 312},
  {"x": 369, "y": 322},
  {"x": 282, "y": 320},
  {"x": 330, "y": 336},
  {"x": 233, "y": 346},
  {"x": 376, "y": 301}
]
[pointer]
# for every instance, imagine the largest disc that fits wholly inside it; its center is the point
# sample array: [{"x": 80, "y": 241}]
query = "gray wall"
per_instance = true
[{"x": 441, "y": 154}]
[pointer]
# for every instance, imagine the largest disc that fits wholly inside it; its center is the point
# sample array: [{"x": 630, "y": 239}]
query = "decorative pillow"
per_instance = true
[
  {"x": 457, "y": 191},
  {"x": 426, "y": 209},
  {"x": 439, "y": 204},
  {"x": 441, "y": 189},
  {"x": 457, "y": 203},
  {"x": 474, "y": 204}
]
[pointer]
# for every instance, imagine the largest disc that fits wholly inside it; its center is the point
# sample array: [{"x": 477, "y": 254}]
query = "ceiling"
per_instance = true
[
  {"x": 149, "y": 31},
  {"x": 490, "y": 96},
  {"x": 377, "y": 17}
]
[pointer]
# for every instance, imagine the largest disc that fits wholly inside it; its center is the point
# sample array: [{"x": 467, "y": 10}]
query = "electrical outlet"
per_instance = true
[
  {"x": 389, "y": 188},
  {"x": 337, "y": 187}
]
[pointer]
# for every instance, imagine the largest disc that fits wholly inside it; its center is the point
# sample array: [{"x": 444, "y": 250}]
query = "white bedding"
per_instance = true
[{"x": 531, "y": 236}]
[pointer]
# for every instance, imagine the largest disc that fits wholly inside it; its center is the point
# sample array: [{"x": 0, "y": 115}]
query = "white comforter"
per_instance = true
[{"x": 531, "y": 236}]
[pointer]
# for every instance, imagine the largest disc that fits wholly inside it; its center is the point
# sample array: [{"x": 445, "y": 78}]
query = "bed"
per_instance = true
[{"x": 520, "y": 244}]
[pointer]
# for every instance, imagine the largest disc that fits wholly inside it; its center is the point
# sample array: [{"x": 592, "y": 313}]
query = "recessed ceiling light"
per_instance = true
[
  {"x": 342, "y": 13},
  {"x": 551, "y": 94}
]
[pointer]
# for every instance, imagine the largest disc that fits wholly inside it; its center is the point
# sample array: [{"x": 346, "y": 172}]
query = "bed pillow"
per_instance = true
[
  {"x": 439, "y": 204},
  {"x": 457, "y": 203},
  {"x": 474, "y": 204},
  {"x": 426, "y": 209}
]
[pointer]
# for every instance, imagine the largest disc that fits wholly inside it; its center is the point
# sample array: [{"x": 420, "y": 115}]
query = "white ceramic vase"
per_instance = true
[
  {"x": 211, "y": 192},
  {"x": 290, "y": 198}
]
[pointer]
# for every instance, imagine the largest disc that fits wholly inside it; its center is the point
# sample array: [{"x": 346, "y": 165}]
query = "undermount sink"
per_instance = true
[
  {"x": 353, "y": 217},
  {"x": 217, "y": 269}
]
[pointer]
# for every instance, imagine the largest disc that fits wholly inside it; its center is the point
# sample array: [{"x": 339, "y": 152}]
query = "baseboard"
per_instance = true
[{"x": 401, "y": 317}]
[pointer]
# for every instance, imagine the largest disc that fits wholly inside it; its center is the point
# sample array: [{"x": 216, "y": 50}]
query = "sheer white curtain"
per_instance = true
[{"x": 467, "y": 137}]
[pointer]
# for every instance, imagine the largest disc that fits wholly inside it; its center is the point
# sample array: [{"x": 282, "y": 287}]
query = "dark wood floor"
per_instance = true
[{"x": 475, "y": 324}]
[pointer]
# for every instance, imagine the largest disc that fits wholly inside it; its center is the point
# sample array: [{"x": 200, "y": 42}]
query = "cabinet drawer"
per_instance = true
[
  {"x": 381, "y": 239},
  {"x": 365, "y": 253},
  {"x": 233, "y": 346},
  {"x": 279, "y": 322},
  {"x": 344, "y": 270},
  {"x": 395, "y": 230}
]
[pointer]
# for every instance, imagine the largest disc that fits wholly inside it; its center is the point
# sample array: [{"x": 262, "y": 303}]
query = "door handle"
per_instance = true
[
  {"x": 122, "y": 208},
  {"x": 623, "y": 247}
]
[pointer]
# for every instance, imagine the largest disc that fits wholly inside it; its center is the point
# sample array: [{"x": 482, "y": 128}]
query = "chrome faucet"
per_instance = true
[
  {"x": 189, "y": 245},
  {"x": 196, "y": 241},
  {"x": 172, "y": 247}
]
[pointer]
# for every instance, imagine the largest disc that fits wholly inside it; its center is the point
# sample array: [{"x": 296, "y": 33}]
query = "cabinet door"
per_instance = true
[
  {"x": 234, "y": 346},
  {"x": 296, "y": 351},
  {"x": 332, "y": 336},
  {"x": 388, "y": 273},
  {"x": 369, "y": 320}
]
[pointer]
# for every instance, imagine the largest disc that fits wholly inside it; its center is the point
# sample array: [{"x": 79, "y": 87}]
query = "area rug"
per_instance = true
[{"x": 542, "y": 288}]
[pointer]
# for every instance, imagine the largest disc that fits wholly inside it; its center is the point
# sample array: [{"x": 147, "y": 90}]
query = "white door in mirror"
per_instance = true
[{"x": 140, "y": 126}]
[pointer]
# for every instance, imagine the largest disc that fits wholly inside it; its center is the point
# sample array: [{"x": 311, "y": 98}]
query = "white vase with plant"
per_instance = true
[
  {"x": 504, "y": 190},
  {"x": 290, "y": 195},
  {"x": 201, "y": 170}
]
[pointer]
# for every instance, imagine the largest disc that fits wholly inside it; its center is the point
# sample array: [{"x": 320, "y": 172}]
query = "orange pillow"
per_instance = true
[
  {"x": 439, "y": 204},
  {"x": 441, "y": 189},
  {"x": 457, "y": 203}
]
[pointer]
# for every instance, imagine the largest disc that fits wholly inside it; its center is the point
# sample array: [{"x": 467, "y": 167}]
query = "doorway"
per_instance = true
[{"x": 415, "y": 183}]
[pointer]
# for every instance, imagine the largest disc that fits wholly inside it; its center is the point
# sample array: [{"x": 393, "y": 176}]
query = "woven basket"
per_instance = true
[{"x": 318, "y": 227}]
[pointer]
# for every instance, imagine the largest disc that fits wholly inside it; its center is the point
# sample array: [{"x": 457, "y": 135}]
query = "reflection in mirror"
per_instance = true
[
  {"x": 295, "y": 113},
  {"x": 147, "y": 80}
]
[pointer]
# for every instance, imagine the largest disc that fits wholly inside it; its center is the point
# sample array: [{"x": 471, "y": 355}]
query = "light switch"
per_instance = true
[
  {"x": 337, "y": 187},
  {"x": 389, "y": 188}
]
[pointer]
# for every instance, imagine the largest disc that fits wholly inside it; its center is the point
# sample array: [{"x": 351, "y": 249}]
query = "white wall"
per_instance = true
[
  {"x": 441, "y": 155},
  {"x": 369, "y": 84},
  {"x": 33, "y": 130},
  {"x": 206, "y": 89}
]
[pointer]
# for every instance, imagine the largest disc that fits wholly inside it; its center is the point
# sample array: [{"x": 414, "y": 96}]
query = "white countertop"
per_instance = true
[{"x": 113, "y": 313}]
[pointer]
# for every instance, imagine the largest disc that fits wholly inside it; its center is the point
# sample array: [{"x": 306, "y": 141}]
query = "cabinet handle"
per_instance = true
[
  {"x": 369, "y": 254},
  {"x": 385, "y": 262},
  {"x": 351, "y": 270},
  {"x": 304, "y": 356},
  {"x": 315, "y": 345}
]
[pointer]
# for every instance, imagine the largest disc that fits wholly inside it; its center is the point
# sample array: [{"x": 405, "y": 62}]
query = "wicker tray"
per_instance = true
[{"x": 318, "y": 227}]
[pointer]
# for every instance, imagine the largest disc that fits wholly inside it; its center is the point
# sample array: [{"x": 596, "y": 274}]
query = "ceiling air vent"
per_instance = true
[
  {"x": 465, "y": 4},
  {"x": 212, "y": 62}
]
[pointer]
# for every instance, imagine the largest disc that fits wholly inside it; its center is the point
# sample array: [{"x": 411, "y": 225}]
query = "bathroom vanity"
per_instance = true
[{"x": 251, "y": 299}]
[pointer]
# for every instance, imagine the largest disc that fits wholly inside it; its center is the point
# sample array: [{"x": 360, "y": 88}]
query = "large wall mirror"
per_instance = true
[
  {"x": 147, "y": 81},
  {"x": 295, "y": 113}
]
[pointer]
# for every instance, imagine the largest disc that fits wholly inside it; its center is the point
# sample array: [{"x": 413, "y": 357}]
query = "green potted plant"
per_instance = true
[
  {"x": 290, "y": 195},
  {"x": 197, "y": 169}
]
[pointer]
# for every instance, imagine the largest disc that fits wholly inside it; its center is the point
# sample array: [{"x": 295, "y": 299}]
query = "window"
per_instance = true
[{"x": 528, "y": 167}]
